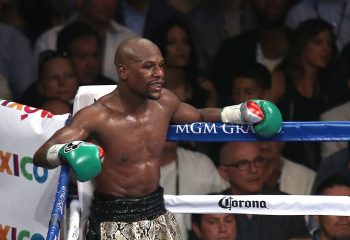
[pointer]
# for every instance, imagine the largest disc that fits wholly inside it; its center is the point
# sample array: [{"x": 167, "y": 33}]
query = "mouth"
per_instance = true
[
  {"x": 157, "y": 86},
  {"x": 343, "y": 225}
]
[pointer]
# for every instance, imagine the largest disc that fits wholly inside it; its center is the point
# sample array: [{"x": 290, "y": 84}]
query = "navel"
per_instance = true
[{"x": 125, "y": 158}]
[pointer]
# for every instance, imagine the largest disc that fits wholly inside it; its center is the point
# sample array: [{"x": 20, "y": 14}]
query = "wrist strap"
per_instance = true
[
  {"x": 232, "y": 114},
  {"x": 52, "y": 154}
]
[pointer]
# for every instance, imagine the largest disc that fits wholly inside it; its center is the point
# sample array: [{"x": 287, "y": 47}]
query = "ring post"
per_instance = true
[{"x": 59, "y": 204}]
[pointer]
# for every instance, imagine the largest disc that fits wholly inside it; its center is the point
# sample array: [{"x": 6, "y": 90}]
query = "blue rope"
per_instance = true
[
  {"x": 59, "y": 204},
  {"x": 291, "y": 132}
]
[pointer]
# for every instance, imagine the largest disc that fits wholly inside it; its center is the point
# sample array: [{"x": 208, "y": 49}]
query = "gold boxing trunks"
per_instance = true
[{"x": 136, "y": 218}]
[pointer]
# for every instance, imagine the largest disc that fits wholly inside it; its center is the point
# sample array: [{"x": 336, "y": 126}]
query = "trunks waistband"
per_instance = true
[{"x": 131, "y": 209}]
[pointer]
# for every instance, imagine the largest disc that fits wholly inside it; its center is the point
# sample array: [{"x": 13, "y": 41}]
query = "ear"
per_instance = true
[
  {"x": 223, "y": 173},
  {"x": 196, "y": 230},
  {"x": 122, "y": 71}
]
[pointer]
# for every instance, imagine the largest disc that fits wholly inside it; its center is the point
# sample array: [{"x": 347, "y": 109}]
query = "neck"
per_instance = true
[
  {"x": 273, "y": 42},
  {"x": 310, "y": 73},
  {"x": 273, "y": 34},
  {"x": 235, "y": 191},
  {"x": 130, "y": 101},
  {"x": 307, "y": 84}
]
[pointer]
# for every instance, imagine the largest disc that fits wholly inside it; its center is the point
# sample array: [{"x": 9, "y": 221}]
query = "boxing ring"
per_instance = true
[{"x": 246, "y": 204}]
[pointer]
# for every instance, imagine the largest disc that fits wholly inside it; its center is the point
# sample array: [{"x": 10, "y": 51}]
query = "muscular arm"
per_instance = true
[
  {"x": 186, "y": 113},
  {"x": 79, "y": 129}
]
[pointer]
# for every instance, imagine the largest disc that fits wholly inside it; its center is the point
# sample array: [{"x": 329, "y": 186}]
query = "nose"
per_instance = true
[
  {"x": 327, "y": 47},
  {"x": 253, "y": 167},
  {"x": 158, "y": 71},
  {"x": 62, "y": 81},
  {"x": 222, "y": 227}
]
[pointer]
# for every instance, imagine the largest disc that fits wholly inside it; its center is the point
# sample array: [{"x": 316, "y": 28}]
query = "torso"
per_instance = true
[{"x": 132, "y": 145}]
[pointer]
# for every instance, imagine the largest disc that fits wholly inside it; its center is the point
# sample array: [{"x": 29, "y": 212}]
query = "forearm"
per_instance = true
[
  {"x": 210, "y": 114},
  {"x": 46, "y": 156},
  {"x": 40, "y": 157},
  {"x": 229, "y": 114}
]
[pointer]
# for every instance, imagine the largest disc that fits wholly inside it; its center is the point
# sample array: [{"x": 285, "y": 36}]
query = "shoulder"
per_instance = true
[
  {"x": 51, "y": 33},
  {"x": 299, "y": 12},
  {"x": 340, "y": 112},
  {"x": 11, "y": 35},
  {"x": 47, "y": 40},
  {"x": 92, "y": 115},
  {"x": 298, "y": 168},
  {"x": 168, "y": 98},
  {"x": 339, "y": 158}
]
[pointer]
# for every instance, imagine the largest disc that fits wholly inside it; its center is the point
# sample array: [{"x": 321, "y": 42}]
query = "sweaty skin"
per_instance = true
[{"x": 130, "y": 123}]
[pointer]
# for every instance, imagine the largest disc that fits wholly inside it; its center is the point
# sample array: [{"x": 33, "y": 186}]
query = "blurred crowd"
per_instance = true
[{"x": 295, "y": 53}]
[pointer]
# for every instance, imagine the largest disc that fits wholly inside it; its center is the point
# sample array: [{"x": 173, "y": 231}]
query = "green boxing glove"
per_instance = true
[
  {"x": 272, "y": 121},
  {"x": 84, "y": 158}
]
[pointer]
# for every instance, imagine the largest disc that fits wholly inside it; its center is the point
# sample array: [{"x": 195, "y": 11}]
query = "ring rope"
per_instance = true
[
  {"x": 57, "y": 213},
  {"x": 291, "y": 131},
  {"x": 250, "y": 204}
]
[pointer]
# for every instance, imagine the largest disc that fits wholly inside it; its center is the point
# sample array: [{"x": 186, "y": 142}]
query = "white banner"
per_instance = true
[
  {"x": 259, "y": 204},
  {"x": 86, "y": 95},
  {"x": 27, "y": 192}
]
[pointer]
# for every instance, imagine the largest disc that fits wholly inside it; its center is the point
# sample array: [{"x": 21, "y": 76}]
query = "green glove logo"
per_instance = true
[{"x": 71, "y": 146}]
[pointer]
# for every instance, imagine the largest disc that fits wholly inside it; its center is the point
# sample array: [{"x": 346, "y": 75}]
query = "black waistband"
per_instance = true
[{"x": 110, "y": 208}]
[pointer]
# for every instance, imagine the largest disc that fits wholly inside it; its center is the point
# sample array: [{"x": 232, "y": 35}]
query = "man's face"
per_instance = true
[
  {"x": 244, "y": 89},
  {"x": 145, "y": 72},
  {"x": 243, "y": 166},
  {"x": 216, "y": 227},
  {"x": 335, "y": 227},
  {"x": 87, "y": 59},
  {"x": 270, "y": 13}
]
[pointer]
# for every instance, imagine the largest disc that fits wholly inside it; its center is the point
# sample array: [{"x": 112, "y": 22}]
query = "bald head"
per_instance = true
[
  {"x": 133, "y": 49},
  {"x": 231, "y": 151}
]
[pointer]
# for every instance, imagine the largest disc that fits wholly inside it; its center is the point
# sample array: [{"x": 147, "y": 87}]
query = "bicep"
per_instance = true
[{"x": 185, "y": 113}]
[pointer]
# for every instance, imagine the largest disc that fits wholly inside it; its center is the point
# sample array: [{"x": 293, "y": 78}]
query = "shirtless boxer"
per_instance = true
[{"x": 130, "y": 124}]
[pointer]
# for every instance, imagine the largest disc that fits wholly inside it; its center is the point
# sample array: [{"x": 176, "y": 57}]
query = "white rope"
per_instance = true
[
  {"x": 259, "y": 204},
  {"x": 245, "y": 204},
  {"x": 74, "y": 220}
]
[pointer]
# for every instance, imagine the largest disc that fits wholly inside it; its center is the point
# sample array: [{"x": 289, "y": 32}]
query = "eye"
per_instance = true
[
  {"x": 230, "y": 219},
  {"x": 147, "y": 66},
  {"x": 212, "y": 220},
  {"x": 242, "y": 164}
]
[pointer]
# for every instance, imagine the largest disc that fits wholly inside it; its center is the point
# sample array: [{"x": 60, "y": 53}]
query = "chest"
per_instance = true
[{"x": 147, "y": 130}]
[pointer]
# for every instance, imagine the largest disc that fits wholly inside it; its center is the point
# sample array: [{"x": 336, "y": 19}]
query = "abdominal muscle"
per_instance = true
[{"x": 132, "y": 179}]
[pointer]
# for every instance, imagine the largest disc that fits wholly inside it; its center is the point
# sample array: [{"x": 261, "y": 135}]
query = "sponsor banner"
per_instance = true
[
  {"x": 291, "y": 131},
  {"x": 27, "y": 192},
  {"x": 259, "y": 204}
]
